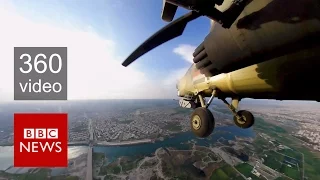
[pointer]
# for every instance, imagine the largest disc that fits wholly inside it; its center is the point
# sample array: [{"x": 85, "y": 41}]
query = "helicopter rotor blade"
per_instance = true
[{"x": 170, "y": 31}]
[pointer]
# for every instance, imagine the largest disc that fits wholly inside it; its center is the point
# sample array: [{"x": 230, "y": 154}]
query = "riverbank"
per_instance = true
[
  {"x": 180, "y": 141},
  {"x": 124, "y": 143}
]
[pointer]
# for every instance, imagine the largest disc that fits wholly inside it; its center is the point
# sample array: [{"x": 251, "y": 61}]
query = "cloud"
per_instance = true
[
  {"x": 185, "y": 51},
  {"x": 174, "y": 76},
  {"x": 94, "y": 70}
]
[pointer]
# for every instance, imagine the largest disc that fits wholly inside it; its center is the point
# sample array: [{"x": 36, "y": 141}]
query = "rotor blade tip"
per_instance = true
[{"x": 125, "y": 65}]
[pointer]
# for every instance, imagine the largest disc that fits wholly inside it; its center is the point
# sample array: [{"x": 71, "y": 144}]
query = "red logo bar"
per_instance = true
[{"x": 40, "y": 140}]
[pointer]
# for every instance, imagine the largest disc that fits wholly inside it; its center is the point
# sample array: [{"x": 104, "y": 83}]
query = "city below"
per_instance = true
[{"x": 151, "y": 139}]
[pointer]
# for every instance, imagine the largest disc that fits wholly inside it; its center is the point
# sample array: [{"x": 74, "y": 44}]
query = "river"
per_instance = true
[{"x": 178, "y": 141}]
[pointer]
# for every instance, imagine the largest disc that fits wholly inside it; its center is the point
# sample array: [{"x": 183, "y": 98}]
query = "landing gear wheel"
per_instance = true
[
  {"x": 246, "y": 121},
  {"x": 202, "y": 122}
]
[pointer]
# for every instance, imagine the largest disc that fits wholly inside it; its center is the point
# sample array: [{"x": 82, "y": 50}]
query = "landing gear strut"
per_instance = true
[{"x": 202, "y": 121}]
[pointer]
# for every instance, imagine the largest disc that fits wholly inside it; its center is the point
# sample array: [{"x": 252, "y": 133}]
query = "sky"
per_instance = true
[{"x": 99, "y": 35}]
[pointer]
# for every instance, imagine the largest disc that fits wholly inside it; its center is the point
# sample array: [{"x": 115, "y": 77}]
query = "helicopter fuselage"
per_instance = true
[
  {"x": 290, "y": 77},
  {"x": 261, "y": 49},
  {"x": 271, "y": 51}
]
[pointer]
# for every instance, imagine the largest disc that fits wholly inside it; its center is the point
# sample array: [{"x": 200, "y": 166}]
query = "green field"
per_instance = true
[
  {"x": 262, "y": 126},
  {"x": 112, "y": 168},
  {"x": 219, "y": 174},
  {"x": 273, "y": 160},
  {"x": 311, "y": 164},
  {"x": 273, "y": 163},
  {"x": 276, "y": 162},
  {"x": 260, "y": 145},
  {"x": 109, "y": 177},
  {"x": 311, "y": 161},
  {"x": 64, "y": 178},
  {"x": 246, "y": 169},
  {"x": 41, "y": 174},
  {"x": 97, "y": 156},
  {"x": 226, "y": 172},
  {"x": 291, "y": 153},
  {"x": 282, "y": 178},
  {"x": 130, "y": 163},
  {"x": 291, "y": 172}
]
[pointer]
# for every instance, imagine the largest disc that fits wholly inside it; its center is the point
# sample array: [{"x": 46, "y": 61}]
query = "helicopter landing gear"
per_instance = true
[
  {"x": 246, "y": 120},
  {"x": 243, "y": 119},
  {"x": 202, "y": 121}
]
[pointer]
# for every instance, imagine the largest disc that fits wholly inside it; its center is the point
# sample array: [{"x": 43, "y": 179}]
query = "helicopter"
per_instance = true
[{"x": 255, "y": 49}]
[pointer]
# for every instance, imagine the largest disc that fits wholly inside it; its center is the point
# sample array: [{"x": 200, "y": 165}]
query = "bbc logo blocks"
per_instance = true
[{"x": 40, "y": 133}]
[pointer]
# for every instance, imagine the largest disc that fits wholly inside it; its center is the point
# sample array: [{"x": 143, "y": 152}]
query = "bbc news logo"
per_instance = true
[
  {"x": 40, "y": 140},
  {"x": 40, "y": 146}
]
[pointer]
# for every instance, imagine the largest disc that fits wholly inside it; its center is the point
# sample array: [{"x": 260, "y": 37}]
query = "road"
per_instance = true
[
  {"x": 89, "y": 158},
  {"x": 89, "y": 164}
]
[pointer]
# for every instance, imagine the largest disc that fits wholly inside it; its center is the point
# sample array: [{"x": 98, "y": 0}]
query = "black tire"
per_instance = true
[
  {"x": 248, "y": 119},
  {"x": 202, "y": 122}
]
